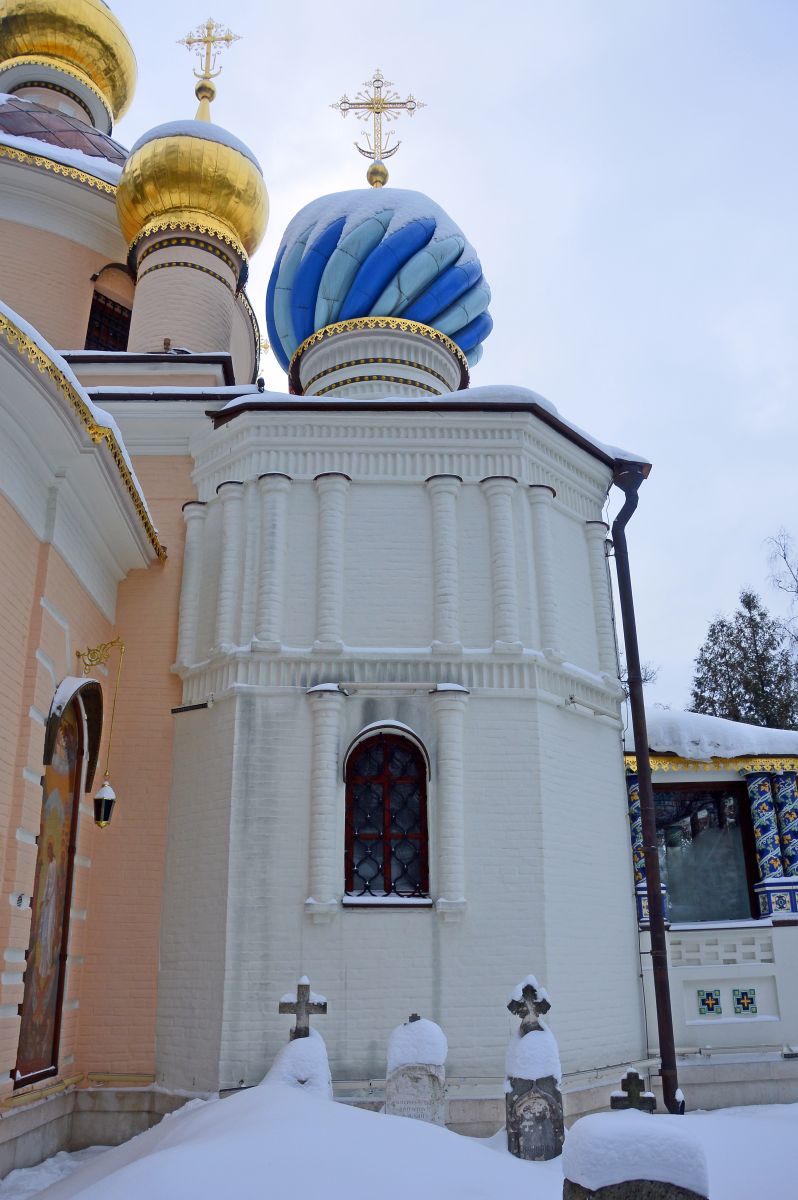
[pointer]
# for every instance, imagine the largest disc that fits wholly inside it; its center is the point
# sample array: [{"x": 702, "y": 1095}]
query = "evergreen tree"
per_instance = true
[{"x": 745, "y": 670}]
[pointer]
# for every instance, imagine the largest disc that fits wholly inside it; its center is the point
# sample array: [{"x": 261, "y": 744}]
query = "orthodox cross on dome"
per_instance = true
[
  {"x": 206, "y": 40},
  {"x": 380, "y": 102},
  {"x": 306, "y": 1005}
]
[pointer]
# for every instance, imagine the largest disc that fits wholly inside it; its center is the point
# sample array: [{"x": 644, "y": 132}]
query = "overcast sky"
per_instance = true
[{"x": 628, "y": 174}]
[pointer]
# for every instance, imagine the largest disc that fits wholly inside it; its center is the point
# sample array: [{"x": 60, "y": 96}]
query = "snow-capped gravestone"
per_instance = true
[
  {"x": 535, "y": 1128},
  {"x": 633, "y": 1155},
  {"x": 415, "y": 1084}
]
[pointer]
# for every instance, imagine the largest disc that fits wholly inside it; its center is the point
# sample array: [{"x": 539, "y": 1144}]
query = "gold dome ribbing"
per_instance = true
[
  {"x": 183, "y": 182},
  {"x": 81, "y": 37}
]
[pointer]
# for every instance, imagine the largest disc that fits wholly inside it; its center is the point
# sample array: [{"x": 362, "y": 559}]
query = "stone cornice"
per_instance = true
[
  {"x": 527, "y": 674},
  {"x": 405, "y": 447}
]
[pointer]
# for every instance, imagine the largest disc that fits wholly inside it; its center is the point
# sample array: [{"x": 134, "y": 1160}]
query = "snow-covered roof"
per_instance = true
[
  {"x": 701, "y": 738},
  {"x": 89, "y": 164},
  {"x": 500, "y": 397},
  {"x": 203, "y": 130}
]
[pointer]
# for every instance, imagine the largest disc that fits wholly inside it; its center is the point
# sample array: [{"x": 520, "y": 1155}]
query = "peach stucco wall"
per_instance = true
[
  {"x": 47, "y": 280},
  {"x": 45, "y": 615},
  {"x": 117, "y": 1030}
]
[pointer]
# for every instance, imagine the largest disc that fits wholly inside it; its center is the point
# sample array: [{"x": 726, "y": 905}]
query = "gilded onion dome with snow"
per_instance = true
[
  {"x": 75, "y": 47},
  {"x": 194, "y": 175},
  {"x": 371, "y": 254}
]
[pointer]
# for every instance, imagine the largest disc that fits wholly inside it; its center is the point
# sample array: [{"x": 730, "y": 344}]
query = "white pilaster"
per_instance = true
[
  {"x": 194, "y": 516},
  {"x": 274, "y": 488},
  {"x": 596, "y": 533},
  {"x": 541, "y": 498},
  {"x": 332, "y": 489},
  {"x": 449, "y": 703},
  {"x": 443, "y": 490},
  {"x": 326, "y": 857},
  {"x": 499, "y": 490},
  {"x": 231, "y": 494}
]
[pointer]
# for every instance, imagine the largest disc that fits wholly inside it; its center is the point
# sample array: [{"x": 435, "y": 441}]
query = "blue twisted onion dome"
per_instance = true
[{"x": 376, "y": 253}]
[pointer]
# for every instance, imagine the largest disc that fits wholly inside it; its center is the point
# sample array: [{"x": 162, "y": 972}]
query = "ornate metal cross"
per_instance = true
[
  {"x": 303, "y": 1007},
  {"x": 532, "y": 1005},
  {"x": 636, "y": 1094},
  {"x": 380, "y": 102},
  {"x": 209, "y": 35}
]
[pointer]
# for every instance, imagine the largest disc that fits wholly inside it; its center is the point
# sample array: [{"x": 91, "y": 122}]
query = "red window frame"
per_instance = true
[{"x": 384, "y": 780}]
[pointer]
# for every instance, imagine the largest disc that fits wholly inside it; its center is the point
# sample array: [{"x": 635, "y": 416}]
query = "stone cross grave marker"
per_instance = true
[
  {"x": 530, "y": 1008},
  {"x": 633, "y": 1094},
  {"x": 303, "y": 1008},
  {"x": 535, "y": 1124}
]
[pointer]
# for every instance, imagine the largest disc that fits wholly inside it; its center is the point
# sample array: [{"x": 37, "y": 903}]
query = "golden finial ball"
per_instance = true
[
  {"x": 205, "y": 90},
  {"x": 377, "y": 174}
]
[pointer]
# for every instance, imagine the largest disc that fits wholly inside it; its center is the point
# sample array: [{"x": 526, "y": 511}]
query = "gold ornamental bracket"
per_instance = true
[
  {"x": 206, "y": 41},
  {"x": 381, "y": 102},
  {"x": 98, "y": 656}
]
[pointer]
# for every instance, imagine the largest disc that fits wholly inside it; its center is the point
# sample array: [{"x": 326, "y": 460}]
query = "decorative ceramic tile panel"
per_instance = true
[{"x": 709, "y": 1002}]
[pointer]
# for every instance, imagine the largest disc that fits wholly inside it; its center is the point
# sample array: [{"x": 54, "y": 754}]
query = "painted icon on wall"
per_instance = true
[{"x": 37, "y": 1054}]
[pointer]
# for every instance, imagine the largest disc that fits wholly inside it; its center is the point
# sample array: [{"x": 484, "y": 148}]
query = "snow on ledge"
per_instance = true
[
  {"x": 90, "y": 164},
  {"x": 702, "y": 738},
  {"x": 492, "y": 396},
  {"x": 616, "y": 1147}
]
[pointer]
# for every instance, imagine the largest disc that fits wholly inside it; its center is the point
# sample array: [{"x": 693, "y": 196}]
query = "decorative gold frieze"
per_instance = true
[
  {"x": 744, "y": 765},
  {"x": 49, "y": 164}
]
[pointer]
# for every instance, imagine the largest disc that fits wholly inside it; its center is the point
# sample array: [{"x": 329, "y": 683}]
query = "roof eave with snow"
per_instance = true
[
  {"x": 500, "y": 398},
  {"x": 54, "y": 436}
]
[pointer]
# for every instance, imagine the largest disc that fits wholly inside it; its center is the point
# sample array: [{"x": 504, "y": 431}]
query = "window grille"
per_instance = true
[
  {"x": 109, "y": 324},
  {"x": 386, "y": 819}
]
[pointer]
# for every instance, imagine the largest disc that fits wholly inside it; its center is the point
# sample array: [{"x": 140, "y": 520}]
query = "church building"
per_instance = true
[{"x": 321, "y": 682}]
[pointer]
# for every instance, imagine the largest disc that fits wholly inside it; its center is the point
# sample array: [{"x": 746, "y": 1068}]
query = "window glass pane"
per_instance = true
[
  {"x": 369, "y": 760},
  {"x": 367, "y": 809},
  {"x": 701, "y": 855},
  {"x": 367, "y": 861},
  {"x": 405, "y": 805},
  {"x": 402, "y": 763}
]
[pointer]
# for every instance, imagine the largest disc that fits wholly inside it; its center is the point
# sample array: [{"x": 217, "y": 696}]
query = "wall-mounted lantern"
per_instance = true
[{"x": 105, "y": 797}]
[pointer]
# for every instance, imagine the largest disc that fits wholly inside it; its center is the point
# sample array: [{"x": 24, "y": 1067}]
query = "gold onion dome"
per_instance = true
[
  {"x": 73, "y": 46},
  {"x": 193, "y": 175}
]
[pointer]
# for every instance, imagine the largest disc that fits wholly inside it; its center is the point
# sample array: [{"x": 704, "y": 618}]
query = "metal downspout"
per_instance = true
[{"x": 628, "y": 477}]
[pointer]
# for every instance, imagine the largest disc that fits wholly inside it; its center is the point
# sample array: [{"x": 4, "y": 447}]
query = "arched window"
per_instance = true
[{"x": 386, "y": 818}]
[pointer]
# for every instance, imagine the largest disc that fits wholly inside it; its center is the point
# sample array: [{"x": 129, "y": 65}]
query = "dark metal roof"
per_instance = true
[{"x": 26, "y": 118}]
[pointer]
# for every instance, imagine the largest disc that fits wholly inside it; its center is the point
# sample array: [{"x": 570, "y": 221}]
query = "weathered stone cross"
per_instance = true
[
  {"x": 302, "y": 1008},
  {"x": 529, "y": 1008},
  {"x": 636, "y": 1094}
]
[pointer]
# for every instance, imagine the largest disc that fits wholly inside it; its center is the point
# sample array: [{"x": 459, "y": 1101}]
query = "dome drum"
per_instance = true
[{"x": 373, "y": 357}]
